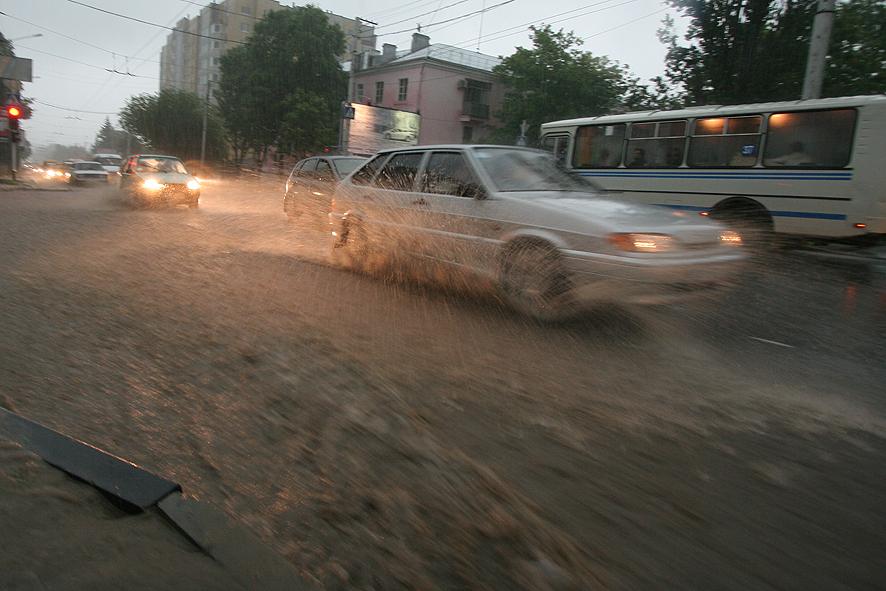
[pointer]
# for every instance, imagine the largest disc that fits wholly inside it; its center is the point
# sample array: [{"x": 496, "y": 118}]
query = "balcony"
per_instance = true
[{"x": 474, "y": 110}]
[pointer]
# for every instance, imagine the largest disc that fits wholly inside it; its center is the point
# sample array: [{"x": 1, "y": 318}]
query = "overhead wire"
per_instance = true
[
  {"x": 158, "y": 25},
  {"x": 54, "y": 32},
  {"x": 406, "y": 20}
]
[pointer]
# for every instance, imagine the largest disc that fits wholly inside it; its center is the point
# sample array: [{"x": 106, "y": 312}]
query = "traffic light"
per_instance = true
[{"x": 14, "y": 112}]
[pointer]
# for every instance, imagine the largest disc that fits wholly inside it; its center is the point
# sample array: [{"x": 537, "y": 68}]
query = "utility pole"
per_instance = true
[
  {"x": 818, "y": 49},
  {"x": 205, "y": 122}
]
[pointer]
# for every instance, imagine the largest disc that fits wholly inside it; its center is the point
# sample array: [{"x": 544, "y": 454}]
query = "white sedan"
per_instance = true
[{"x": 549, "y": 240}]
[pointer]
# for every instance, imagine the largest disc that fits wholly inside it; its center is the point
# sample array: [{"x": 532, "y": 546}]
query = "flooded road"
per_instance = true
[{"x": 390, "y": 435}]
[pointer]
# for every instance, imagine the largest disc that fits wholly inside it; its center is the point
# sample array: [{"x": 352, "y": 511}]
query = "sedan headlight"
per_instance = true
[
  {"x": 151, "y": 185},
  {"x": 193, "y": 185},
  {"x": 643, "y": 242},
  {"x": 730, "y": 237}
]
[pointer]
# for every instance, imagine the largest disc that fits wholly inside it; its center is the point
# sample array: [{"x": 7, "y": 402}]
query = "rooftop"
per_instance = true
[{"x": 451, "y": 54}]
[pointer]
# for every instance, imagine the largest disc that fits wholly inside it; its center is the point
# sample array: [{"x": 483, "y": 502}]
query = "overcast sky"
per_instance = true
[{"x": 71, "y": 73}]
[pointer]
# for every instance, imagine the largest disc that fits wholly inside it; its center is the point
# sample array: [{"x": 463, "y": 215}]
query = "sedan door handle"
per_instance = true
[{"x": 420, "y": 201}]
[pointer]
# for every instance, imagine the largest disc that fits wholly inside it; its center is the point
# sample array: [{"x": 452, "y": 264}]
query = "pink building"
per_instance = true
[{"x": 453, "y": 89}]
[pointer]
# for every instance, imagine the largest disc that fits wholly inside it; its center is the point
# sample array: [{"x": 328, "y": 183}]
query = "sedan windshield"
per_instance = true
[
  {"x": 88, "y": 166},
  {"x": 346, "y": 166},
  {"x": 524, "y": 170},
  {"x": 109, "y": 161},
  {"x": 161, "y": 165}
]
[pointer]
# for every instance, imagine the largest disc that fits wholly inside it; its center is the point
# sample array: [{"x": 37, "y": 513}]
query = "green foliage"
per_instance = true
[
  {"x": 857, "y": 56},
  {"x": 171, "y": 122},
  {"x": 555, "y": 80},
  {"x": 115, "y": 141},
  {"x": 6, "y": 46},
  {"x": 283, "y": 88},
  {"x": 743, "y": 51}
]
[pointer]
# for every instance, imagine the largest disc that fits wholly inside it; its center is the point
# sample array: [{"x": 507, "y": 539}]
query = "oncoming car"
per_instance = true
[
  {"x": 149, "y": 179},
  {"x": 87, "y": 172},
  {"x": 549, "y": 240}
]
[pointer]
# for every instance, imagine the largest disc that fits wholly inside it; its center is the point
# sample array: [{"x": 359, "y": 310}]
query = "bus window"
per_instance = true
[
  {"x": 656, "y": 145},
  {"x": 598, "y": 146},
  {"x": 725, "y": 142},
  {"x": 815, "y": 139},
  {"x": 556, "y": 145}
]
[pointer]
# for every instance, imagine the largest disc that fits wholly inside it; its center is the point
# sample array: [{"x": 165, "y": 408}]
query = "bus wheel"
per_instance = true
[{"x": 752, "y": 222}]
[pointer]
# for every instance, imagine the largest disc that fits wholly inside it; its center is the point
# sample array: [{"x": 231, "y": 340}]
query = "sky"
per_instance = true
[{"x": 74, "y": 91}]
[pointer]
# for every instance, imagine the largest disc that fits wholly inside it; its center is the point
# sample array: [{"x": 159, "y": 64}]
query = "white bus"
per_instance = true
[{"x": 812, "y": 168}]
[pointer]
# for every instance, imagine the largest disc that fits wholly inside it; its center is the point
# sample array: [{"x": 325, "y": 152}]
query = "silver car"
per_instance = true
[{"x": 548, "y": 239}]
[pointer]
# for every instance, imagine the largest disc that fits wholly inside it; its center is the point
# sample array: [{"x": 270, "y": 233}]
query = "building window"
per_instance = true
[
  {"x": 216, "y": 44},
  {"x": 214, "y": 77},
  {"x": 403, "y": 90},
  {"x": 245, "y": 10},
  {"x": 358, "y": 93},
  {"x": 725, "y": 142},
  {"x": 244, "y": 27},
  {"x": 216, "y": 28},
  {"x": 379, "y": 92},
  {"x": 467, "y": 134},
  {"x": 216, "y": 61},
  {"x": 812, "y": 139}
]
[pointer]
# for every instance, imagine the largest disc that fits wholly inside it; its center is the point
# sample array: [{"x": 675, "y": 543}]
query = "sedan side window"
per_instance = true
[
  {"x": 448, "y": 173},
  {"x": 324, "y": 171},
  {"x": 308, "y": 169},
  {"x": 368, "y": 170},
  {"x": 399, "y": 172}
]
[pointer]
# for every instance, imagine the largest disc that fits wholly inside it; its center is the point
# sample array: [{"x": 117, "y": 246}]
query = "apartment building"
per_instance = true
[
  {"x": 453, "y": 89},
  {"x": 190, "y": 62}
]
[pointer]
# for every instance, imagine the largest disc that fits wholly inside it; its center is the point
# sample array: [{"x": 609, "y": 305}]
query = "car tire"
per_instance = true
[
  {"x": 533, "y": 281},
  {"x": 754, "y": 225},
  {"x": 353, "y": 249}
]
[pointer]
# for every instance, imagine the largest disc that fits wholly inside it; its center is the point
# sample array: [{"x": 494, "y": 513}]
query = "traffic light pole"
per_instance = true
[{"x": 13, "y": 154}]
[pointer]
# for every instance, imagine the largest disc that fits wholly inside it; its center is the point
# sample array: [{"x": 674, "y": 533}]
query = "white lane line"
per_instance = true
[{"x": 772, "y": 342}]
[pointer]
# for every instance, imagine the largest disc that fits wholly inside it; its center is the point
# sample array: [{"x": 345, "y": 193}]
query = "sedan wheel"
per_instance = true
[{"x": 534, "y": 283}]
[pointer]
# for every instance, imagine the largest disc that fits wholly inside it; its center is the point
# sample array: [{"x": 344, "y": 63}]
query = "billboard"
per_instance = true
[{"x": 376, "y": 128}]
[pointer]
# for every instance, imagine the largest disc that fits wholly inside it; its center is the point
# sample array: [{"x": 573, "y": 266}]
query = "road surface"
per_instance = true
[{"x": 398, "y": 435}]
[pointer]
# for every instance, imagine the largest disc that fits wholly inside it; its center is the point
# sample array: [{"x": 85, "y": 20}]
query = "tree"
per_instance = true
[
  {"x": 284, "y": 86},
  {"x": 171, "y": 121},
  {"x": 555, "y": 80},
  {"x": 857, "y": 56},
  {"x": 116, "y": 141},
  {"x": 743, "y": 51}
]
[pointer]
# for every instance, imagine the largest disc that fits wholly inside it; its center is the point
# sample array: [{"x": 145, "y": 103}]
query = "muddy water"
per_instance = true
[{"x": 390, "y": 435}]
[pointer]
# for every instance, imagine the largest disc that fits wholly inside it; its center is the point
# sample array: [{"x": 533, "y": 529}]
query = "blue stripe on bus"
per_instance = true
[
  {"x": 781, "y": 214},
  {"x": 805, "y": 176}
]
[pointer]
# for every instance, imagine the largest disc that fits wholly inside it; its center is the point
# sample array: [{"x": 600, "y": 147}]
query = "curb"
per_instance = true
[{"x": 247, "y": 560}]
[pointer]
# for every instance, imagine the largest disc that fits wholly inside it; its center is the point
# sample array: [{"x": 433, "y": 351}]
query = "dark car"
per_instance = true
[{"x": 312, "y": 181}]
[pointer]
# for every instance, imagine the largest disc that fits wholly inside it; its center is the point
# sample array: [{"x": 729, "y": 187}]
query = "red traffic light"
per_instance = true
[{"x": 13, "y": 111}]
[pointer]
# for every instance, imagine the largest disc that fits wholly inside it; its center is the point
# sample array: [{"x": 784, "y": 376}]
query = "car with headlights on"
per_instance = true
[
  {"x": 149, "y": 179},
  {"x": 84, "y": 172},
  {"x": 312, "y": 181},
  {"x": 549, "y": 240}
]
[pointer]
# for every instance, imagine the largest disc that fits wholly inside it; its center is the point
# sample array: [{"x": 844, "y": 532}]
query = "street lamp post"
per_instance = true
[{"x": 25, "y": 37}]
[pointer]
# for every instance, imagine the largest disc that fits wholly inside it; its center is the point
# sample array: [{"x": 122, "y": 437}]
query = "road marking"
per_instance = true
[{"x": 771, "y": 342}]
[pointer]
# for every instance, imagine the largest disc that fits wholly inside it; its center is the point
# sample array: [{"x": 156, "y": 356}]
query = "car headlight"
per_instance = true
[
  {"x": 730, "y": 237},
  {"x": 193, "y": 185},
  {"x": 643, "y": 242},
  {"x": 67, "y": 174},
  {"x": 151, "y": 185}
]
